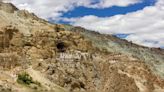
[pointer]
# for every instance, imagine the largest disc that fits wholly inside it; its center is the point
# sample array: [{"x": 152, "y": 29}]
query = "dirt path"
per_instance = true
[{"x": 36, "y": 75}]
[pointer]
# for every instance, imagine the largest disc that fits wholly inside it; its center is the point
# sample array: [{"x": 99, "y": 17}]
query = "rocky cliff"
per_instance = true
[{"x": 37, "y": 56}]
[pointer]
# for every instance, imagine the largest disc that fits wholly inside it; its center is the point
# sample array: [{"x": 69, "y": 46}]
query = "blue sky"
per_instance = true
[
  {"x": 82, "y": 11},
  {"x": 106, "y": 12},
  {"x": 139, "y": 21}
]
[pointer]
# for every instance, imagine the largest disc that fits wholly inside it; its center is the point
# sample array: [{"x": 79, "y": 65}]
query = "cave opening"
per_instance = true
[{"x": 61, "y": 46}]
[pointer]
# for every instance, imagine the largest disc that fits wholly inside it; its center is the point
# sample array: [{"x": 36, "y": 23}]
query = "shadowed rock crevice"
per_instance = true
[{"x": 61, "y": 46}]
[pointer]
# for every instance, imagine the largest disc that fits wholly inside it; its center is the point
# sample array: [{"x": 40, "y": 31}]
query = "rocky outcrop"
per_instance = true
[
  {"x": 9, "y": 60},
  {"x": 8, "y": 7},
  {"x": 6, "y": 35}
]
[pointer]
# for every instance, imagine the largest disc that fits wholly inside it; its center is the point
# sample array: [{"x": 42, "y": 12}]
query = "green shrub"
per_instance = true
[{"x": 24, "y": 78}]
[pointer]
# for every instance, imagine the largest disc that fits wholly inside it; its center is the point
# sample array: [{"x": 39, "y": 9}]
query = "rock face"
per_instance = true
[
  {"x": 6, "y": 35},
  {"x": 7, "y": 7},
  {"x": 36, "y": 56}
]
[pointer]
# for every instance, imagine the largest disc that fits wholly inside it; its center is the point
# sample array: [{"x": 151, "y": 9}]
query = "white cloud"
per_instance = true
[
  {"x": 49, "y": 8},
  {"x": 145, "y": 26},
  {"x": 109, "y": 3},
  {"x": 55, "y": 8}
]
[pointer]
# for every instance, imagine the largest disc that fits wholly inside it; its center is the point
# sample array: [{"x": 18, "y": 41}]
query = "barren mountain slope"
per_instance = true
[
  {"x": 37, "y": 56},
  {"x": 154, "y": 57}
]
